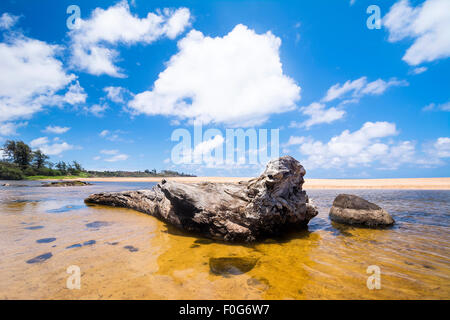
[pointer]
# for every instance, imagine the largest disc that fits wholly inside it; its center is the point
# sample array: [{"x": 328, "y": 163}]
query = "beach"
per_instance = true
[
  {"x": 125, "y": 254},
  {"x": 407, "y": 183}
]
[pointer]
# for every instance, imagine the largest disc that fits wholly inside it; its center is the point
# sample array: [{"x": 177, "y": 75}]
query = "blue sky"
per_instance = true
[{"x": 349, "y": 101}]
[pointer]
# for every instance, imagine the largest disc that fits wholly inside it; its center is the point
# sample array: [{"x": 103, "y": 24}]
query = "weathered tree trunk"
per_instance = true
[{"x": 245, "y": 211}]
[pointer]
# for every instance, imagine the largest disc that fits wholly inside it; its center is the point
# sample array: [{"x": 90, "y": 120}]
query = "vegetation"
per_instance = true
[
  {"x": 21, "y": 162},
  {"x": 146, "y": 173}
]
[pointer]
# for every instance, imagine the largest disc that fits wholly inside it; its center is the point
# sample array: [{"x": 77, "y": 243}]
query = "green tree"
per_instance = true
[
  {"x": 62, "y": 166},
  {"x": 77, "y": 166},
  {"x": 39, "y": 159},
  {"x": 18, "y": 152}
]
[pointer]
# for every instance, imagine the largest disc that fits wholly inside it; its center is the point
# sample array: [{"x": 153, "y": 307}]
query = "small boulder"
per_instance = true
[
  {"x": 354, "y": 210},
  {"x": 75, "y": 183}
]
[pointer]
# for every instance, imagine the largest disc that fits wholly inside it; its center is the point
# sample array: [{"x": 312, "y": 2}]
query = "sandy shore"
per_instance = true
[{"x": 412, "y": 183}]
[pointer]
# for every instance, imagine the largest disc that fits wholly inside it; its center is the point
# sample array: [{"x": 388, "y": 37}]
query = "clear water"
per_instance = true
[{"x": 123, "y": 254}]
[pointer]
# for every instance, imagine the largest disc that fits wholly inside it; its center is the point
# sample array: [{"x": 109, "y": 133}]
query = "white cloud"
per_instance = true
[
  {"x": 379, "y": 86},
  {"x": 92, "y": 44},
  {"x": 437, "y": 107},
  {"x": 97, "y": 110},
  {"x": 236, "y": 79},
  {"x": 56, "y": 129},
  {"x": 419, "y": 70},
  {"x": 75, "y": 94},
  {"x": 318, "y": 114},
  {"x": 48, "y": 148},
  {"x": 117, "y": 157},
  {"x": 442, "y": 147},
  {"x": 30, "y": 77},
  {"x": 10, "y": 128},
  {"x": 349, "y": 149},
  {"x": 7, "y": 21},
  {"x": 294, "y": 140},
  {"x": 428, "y": 24},
  {"x": 109, "y": 152},
  {"x": 202, "y": 151},
  {"x": 336, "y": 91},
  {"x": 117, "y": 94},
  {"x": 104, "y": 133},
  {"x": 360, "y": 87}
]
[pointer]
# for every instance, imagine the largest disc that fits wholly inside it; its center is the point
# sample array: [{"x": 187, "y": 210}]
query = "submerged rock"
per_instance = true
[
  {"x": 40, "y": 258},
  {"x": 354, "y": 210},
  {"x": 226, "y": 266},
  {"x": 75, "y": 183},
  {"x": 246, "y": 211}
]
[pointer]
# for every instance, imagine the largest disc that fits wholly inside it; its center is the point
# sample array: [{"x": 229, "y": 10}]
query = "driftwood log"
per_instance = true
[{"x": 243, "y": 212}]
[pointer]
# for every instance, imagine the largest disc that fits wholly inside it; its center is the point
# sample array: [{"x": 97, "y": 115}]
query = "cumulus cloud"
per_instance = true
[
  {"x": 31, "y": 77},
  {"x": 441, "y": 148},
  {"x": 427, "y": 24},
  {"x": 56, "y": 129},
  {"x": 49, "y": 148},
  {"x": 75, "y": 95},
  {"x": 317, "y": 114},
  {"x": 236, "y": 79},
  {"x": 360, "y": 87},
  {"x": 93, "y": 43},
  {"x": 7, "y": 21},
  {"x": 370, "y": 146},
  {"x": 349, "y": 149}
]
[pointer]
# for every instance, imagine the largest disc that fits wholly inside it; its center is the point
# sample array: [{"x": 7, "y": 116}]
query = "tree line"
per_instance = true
[{"x": 20, "y": 161}]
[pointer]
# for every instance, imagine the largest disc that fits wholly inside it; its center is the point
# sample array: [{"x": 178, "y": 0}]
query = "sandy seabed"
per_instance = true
[{"x": 407, "y": 183}]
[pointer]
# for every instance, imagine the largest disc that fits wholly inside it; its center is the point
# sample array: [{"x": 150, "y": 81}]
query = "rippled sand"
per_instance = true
[{"x": 124, "y": 254}]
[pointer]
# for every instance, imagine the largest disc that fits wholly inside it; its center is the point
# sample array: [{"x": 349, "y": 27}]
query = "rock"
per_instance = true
[
  {"x": 75, "y": 183},
  {"x": 226, "y": 266},
  {"x": 244, "y": 212},
  {"x": 353, "y": 210}
]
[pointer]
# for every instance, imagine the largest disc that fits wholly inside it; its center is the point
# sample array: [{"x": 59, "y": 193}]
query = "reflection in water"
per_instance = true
[{"x": 154, "y": 260}]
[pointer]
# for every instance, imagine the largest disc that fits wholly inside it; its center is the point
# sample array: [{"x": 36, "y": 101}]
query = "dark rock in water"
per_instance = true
[
  {"x": 270, "y": 204},
  {"x": 34, "y": 227},
  {"x": 46, "y": 240},
  {"x": 76, "y": 245},
  {"x": 131, "y": 248},
  {"x": 97, "y": 224},
  {"x": 226, "y": 266},
  {"x": 66, "y": 184},
  {"x": 66, "y": 208},
  {"x": 40, "y": 258},
  {"x": 353, "y": 210}
]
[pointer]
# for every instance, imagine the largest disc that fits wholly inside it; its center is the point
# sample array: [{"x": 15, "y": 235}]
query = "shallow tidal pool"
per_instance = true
[{"x": 124, "y": 254}]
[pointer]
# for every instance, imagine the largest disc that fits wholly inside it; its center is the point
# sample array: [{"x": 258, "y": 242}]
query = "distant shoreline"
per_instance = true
[{"x": 403, "y": 183}]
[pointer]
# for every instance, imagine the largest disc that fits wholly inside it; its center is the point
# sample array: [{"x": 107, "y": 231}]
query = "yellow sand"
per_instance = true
[{"x": 410, "y": 183}]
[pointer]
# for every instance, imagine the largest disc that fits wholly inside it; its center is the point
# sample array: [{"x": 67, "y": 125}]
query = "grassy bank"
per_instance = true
[{"x": 40, "y": 177}]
